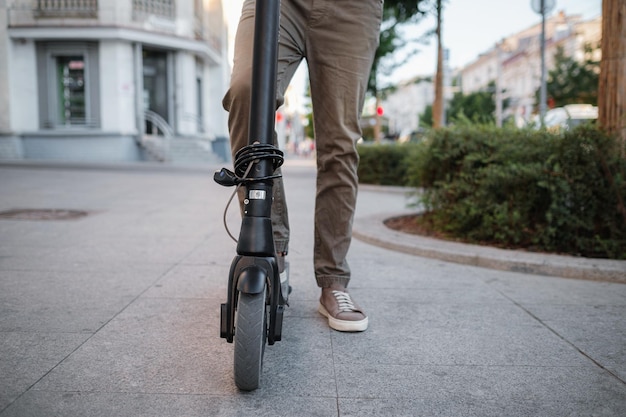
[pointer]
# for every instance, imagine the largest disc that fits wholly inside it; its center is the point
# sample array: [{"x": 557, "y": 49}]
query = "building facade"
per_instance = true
[
  {"x": 113, "y": 80},
  {"x": 404, "y": 105},
  {"x": 514, "y": 64}
]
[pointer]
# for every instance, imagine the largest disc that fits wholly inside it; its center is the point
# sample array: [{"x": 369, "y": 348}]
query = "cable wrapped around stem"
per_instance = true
[{"x": 254, "y": 153}]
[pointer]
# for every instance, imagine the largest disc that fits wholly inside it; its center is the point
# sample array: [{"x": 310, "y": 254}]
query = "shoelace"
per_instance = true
[{"x": 344, "y": 301}]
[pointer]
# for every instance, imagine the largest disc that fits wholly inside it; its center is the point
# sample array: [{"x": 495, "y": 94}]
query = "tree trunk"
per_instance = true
[
  {"x": 612, "y": 86},
  {"x": 438, "y": 104}
]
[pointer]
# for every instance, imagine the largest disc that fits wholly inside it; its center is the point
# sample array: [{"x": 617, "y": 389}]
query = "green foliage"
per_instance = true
[
  {"x": 309, "y": 129},
  {"x": 522, "y": 188},
  {"x": 402, "y": 10},
  {"x": 479, "y": 107},
  {"x": 476, "y": 107},
  {"x": 396, "y": 14},
  {"x": 383, "y": 164},
  {"x": 426, "y": 118},
  {"x": 573, "y": 82}
]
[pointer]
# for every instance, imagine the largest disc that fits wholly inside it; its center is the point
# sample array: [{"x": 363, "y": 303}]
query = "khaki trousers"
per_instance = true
[{"x": 338, "y": 39}]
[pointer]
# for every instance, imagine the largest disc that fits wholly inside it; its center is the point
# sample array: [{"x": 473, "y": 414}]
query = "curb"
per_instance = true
[{"x": 371, "y": 229}]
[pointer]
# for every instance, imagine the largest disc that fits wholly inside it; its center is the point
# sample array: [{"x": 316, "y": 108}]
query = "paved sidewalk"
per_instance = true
[{"x": 117, "y": 313}]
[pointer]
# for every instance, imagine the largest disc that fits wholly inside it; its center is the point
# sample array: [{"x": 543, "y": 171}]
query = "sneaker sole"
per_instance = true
[{"x": 343, "y": 325}]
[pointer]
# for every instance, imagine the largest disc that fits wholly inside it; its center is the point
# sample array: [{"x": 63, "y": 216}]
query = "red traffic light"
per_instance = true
[{"x": 380, "y": 111}]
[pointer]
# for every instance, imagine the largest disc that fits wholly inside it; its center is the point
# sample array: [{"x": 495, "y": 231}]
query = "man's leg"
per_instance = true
[
  {"x": 237, "y": 98},
  {"x": 342, "y": 41}
]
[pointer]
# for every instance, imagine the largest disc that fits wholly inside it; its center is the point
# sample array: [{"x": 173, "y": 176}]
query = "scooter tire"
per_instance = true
[{"x": 250, "y": 339}]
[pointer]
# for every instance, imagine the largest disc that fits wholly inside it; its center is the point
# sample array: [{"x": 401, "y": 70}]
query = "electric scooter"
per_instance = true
[{"x": 253, "y": 313}]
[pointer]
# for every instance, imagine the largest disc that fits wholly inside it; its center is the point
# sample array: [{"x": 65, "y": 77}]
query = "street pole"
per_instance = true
[
  {"x": 542, "y": 7},
  {"x": 499, "y": 84},
  {"x": 542, "y": 92},
  {"x": 446, "y": 85}
]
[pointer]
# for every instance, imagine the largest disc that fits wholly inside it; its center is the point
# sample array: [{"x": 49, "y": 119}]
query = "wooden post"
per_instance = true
[{"x": 612, "y": 84}]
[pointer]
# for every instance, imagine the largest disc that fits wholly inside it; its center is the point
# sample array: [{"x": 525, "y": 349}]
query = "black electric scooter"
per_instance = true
[{"x": 253, "y": 313}]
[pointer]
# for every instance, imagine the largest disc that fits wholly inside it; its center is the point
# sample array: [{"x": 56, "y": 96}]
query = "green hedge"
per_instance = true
[
  {"x": 531, "y": 189},
  {"x": 383, "y": 164}
]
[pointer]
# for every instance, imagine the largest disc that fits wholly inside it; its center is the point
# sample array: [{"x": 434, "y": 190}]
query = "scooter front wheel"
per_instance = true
[{"x": 250, "y": 338}]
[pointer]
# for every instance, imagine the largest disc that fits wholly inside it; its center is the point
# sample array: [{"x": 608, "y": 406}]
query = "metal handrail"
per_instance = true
[
  {"x": 162, "y": 126},
  {"x": 159, "y": 122}
]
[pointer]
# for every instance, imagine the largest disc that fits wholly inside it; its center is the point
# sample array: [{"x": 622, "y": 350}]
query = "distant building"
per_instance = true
[
  {"x": 515, "y": 62},
  {"x": 113, "y": 80},
  {"x": 404, "y": 105}
]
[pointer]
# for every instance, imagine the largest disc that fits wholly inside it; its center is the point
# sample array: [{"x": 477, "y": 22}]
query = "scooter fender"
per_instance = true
[{"x": 252, "y": 280}]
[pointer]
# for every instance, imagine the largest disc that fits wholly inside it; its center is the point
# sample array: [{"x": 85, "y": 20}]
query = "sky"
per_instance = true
[{"x": 471, "y": 27}]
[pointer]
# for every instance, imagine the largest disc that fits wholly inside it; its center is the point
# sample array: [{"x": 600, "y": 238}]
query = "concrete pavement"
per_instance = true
[{"x": 117, "y": 313}]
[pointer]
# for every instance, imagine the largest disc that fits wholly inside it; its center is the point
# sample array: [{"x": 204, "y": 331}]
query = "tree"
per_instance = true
[
  {"x": 478, "y": 107},
  {"x": 438, "y": 104},
  {"x": 426, "y": 118},
  {"x": 612, "y": 85},
  {"x": 572, "y": 82},
  {"x": 396, "y": 14}
]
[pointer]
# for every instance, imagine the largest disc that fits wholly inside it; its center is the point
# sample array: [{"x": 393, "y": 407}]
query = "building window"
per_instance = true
[
  {"x": 162, "y": 8},
  {"x": 66, "y": 8},
  {"x": 71, "y": 89},
  {"x": 68, "y": 85}
]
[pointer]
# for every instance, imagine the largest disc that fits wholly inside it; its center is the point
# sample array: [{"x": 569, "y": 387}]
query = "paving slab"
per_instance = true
[{"x": 117, "y": 313}]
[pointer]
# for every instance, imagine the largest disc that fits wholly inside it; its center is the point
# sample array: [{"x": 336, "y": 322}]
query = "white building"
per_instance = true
[
  {"x": 113, "y": 80},
  {"x": 403, "y": 106},
  {"x": 515, "y": 62}
]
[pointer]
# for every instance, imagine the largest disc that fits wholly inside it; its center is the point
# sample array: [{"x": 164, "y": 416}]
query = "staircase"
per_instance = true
[
  {"x": 192, "y": 150},
  {"x": 160, "y": 143}
]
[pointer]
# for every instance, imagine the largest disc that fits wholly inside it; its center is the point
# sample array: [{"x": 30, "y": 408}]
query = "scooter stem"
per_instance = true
[
  {"x": 265, "y": 58},
  {"x": 256, "y": 237}
]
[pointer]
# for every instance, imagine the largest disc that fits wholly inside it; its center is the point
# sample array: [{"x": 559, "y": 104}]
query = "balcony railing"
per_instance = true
[
  {"x": 66, "y": 8},
  {"x": 162, "y": 8}
]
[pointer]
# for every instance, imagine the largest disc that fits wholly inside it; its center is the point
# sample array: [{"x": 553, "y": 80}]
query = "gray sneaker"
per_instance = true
[{"x": 342, "y": 313}]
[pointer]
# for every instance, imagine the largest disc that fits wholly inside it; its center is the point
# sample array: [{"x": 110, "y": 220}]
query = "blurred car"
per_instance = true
[{"x": 570, "y": 116}]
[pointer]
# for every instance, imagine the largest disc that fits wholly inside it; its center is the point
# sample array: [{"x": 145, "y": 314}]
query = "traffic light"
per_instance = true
[{"x": 380, "y": 111}]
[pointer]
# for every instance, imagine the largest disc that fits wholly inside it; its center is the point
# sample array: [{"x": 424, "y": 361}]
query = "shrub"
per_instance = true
[
  {"x": 524, "y": 188},
  {"x": 383, "y": 164}
]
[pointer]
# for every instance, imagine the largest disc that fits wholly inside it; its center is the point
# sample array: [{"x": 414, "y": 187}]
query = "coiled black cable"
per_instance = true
[
  {"x": 254, "y": 153},
  {"x": 244, "y": 159}
]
